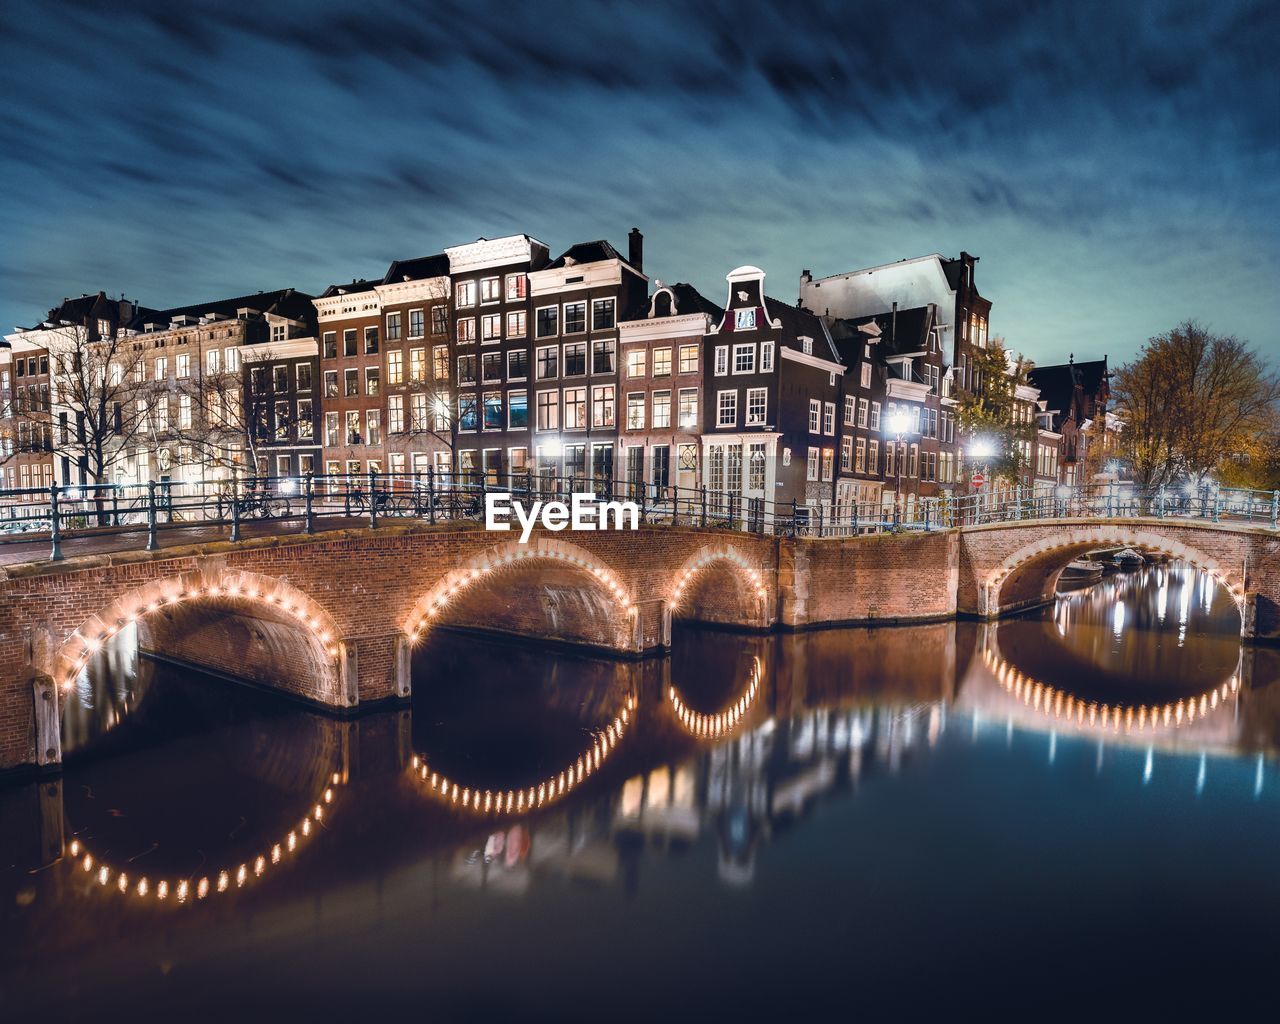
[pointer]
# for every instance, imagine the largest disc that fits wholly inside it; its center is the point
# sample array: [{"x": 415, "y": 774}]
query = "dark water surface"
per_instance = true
[{"x": 1074, "y": 813}]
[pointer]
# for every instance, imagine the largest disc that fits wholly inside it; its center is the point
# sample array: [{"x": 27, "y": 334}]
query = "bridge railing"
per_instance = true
[{"x": 298, "y": 504}]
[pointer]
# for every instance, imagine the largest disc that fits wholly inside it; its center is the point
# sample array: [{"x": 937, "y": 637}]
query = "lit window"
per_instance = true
[{"x": 726, "y": 409}]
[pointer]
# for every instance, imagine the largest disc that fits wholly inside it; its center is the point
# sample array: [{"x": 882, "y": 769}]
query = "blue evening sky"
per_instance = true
[{"x": 1114, "y": 165}]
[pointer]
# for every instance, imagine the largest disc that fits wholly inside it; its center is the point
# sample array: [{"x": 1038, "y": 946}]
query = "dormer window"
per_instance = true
[
  {"x": 104, "y": 328},
  {"x": 745, "y": 319},
  {"x": 806, "y": 346}
]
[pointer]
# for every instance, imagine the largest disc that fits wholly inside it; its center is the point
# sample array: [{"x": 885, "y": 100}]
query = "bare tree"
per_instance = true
[
  {"x": 96, "y": 409},
  {"x": 218, "y": 421}
]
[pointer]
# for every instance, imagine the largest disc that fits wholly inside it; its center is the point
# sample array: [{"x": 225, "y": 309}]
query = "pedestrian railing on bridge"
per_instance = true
[{"x": 299, "y": 504}]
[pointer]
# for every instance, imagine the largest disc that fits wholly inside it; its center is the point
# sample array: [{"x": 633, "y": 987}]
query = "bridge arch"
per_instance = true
[
  {"x": 1029, "y": 575},
  {"x": 718, "y": 583},
  {"x": 602, "y": 615},
  {"x": 294, "y": 639}
]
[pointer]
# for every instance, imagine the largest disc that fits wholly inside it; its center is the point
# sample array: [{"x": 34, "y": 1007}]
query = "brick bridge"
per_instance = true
[{"x": 333, "y": 617}]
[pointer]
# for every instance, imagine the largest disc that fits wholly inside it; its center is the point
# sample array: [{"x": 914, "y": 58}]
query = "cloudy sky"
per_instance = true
[{"x": 1115, "y": 166}]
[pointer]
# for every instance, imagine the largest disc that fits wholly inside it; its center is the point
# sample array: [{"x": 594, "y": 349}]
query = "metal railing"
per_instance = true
[{"x": 299, "y": 503}]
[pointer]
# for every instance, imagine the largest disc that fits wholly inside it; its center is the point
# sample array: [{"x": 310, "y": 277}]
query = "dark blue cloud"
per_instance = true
[{"x": 1115, "y": 166}]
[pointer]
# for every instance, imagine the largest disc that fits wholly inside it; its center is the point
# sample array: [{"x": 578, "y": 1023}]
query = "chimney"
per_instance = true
[{"x": 635, "y": 249}]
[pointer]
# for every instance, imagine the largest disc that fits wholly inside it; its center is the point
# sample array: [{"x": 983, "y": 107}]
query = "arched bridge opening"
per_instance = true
[
  {"x": 719, "y": 585},
  {"x": 545, "y": 590},
  {"x": 1029, "y": 576},
  {"x": 236, "y": 624}
]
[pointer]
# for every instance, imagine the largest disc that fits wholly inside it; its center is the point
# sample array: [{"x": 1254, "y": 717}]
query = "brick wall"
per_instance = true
[{"x": 879, "y": 578}]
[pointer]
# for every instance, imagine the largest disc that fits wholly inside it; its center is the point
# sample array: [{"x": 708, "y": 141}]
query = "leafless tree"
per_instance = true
[{"x": 96, "y": 409}]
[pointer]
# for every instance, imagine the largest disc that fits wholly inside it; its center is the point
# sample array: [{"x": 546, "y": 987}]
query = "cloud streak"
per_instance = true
[{"x": 1116, "y": 169}]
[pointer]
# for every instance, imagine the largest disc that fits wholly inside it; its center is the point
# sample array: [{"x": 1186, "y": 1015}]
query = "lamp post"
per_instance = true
[
  {"x": 896, "y": 425},
  {"x": 984, "y": 449}
]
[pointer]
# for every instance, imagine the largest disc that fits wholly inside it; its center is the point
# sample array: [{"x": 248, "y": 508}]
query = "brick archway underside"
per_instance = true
[{"x": 549, "y": 589}]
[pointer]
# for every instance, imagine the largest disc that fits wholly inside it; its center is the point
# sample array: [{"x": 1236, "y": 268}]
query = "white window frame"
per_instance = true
[
  {"x": 721, "y": 408},
  {"x": 722, "y": 361},
  {"x": 763, "y": 417},
  {"x": 748, "y": 349}
]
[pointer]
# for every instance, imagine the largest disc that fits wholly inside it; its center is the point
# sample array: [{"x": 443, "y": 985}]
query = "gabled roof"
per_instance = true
[
  {"x": 798, "y": 322},
  {"x": 905, "y": 331},
  {"x": 363, "y": 285},
  {"x": 91, "y": 307},
  {"x": 688, "y": 300},
  {"x": 259, "y": 301},
  {"x": 417, "y": 269},
  {"x": 1057, "y": 383},
  {"x": 587, "y": 252}
]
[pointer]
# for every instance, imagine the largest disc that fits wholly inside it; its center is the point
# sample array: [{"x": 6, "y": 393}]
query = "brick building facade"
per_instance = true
[{"x": 663, "y": 388}]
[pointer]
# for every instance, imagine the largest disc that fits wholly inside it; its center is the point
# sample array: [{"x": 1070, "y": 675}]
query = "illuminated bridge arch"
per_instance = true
[
  {"x": 582, "y": 598},
  {"x": 1029, "y": 575},
  {"x": 718, "y": 583},
  {"x": 296, "y": 646}
]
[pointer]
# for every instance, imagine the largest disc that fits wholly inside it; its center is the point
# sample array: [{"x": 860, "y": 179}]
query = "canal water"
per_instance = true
[{"x": 1073, "y": 812}]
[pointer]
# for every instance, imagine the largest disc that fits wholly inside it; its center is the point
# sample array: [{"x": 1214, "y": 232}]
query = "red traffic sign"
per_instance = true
[{"x": 978, "y": 480}]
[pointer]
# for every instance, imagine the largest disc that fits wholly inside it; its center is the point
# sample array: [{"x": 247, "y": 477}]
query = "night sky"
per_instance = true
[{"x": 1115, "y": 166}]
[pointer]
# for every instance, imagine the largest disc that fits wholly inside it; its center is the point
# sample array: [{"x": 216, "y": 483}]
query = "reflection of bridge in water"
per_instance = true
[{"x": 806, "y": 724}]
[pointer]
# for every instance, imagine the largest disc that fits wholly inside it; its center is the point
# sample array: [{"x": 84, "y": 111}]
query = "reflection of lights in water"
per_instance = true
[
  {"x": 1148, "y": 766},
  {"x": 1162, "y": 600},
  {"x": 1117, "y": 620},
  {"x": 1053, "y": 745},
  {"x": 1200, "y": 775},
  {"x": 717, "y": 725},
  {"x": 535, "y": 797},
  {"x": 181, "y": 890},
  {"x": 1061, "y": 705},
  {"x": 1184, "y": 610},
  {"x": 1257, "y": 778}
]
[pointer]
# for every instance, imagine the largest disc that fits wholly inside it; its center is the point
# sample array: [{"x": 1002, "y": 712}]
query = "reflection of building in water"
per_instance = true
[
  {"x": 739, "y": 790},
  {"x": 106, "y": 689}
]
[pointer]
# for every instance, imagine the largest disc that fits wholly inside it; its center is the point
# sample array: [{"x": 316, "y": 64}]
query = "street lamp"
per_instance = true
[{"x": 896, "y": 425}]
